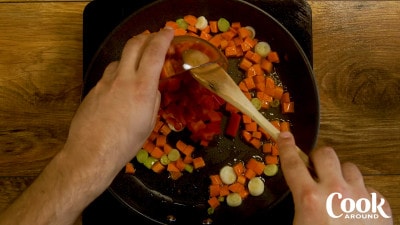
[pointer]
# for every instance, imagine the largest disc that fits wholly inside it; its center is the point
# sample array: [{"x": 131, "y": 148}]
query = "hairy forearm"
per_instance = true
[{"x": 60, "y": 193}]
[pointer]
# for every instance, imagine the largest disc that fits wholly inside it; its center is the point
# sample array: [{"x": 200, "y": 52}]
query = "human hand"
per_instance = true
[
  {"x": 328, "y": 198},
  {"x": 119, "y": 113}
]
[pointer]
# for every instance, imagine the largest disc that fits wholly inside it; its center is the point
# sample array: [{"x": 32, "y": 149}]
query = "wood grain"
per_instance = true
[
  {"x": 356, "y": 54},
  {"x": 40, "y": 82}
]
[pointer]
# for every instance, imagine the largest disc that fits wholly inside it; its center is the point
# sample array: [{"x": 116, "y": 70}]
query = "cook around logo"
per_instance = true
[{"x": 362, "y": 208}]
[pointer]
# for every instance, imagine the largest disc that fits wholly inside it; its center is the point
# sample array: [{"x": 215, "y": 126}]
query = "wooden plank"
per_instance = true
[
  {"x": 40, "y": 82},
  {"x": 356, "y": 55}
]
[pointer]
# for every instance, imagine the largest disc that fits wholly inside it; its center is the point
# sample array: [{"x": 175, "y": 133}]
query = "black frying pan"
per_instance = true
[{"x": 162, "y": 200}]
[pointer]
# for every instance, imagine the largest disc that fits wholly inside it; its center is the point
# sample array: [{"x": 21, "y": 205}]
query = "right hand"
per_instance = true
[{"x": 310, "y": 193}]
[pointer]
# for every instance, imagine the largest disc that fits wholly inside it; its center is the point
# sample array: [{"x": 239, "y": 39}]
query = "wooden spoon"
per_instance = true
[{"x": 216, "y": 79}]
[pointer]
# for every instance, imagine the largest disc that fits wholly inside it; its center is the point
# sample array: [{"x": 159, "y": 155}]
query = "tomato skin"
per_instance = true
[{"x": 233, "y": 125}]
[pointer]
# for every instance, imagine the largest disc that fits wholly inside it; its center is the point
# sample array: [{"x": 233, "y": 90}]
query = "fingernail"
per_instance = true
[{"x": 285, "y": 135}]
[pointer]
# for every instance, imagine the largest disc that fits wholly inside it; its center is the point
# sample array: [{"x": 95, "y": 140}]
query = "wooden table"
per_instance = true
[{"x": 356, "y": 60}]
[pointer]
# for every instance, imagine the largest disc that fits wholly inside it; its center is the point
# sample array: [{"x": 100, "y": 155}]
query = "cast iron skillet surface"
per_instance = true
[{"x": 157, "y": 197}]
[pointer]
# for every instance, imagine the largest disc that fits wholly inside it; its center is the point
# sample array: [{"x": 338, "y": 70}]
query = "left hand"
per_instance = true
[{"x": 119, "y": 113}]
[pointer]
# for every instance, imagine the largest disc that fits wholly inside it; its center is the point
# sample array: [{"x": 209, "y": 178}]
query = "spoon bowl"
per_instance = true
[{"x": 181, "y": 46}]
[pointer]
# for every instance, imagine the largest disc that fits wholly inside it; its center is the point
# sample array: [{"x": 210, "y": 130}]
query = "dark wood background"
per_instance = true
[{"x": 356, "y": 51}]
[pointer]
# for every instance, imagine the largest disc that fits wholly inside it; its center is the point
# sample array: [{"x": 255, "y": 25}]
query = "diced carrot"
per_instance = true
[
  {"x": 175, "y": 175},
  {"x": 265, "y": 133},
  {"x": 153, "y": 136},
  {"x": 276, "y": 124},
  {"x": 267, "y": 147},
  {"x": 215, "y": 179},
  {"x": 245, "y": 64},
  {"x": 172, "y": 168},
  {"x": 214, "y": 190},
  {"x": 243, "y": 87},
  {"x": 250, "y": 41},
  {"x": 244, "y": 32},
  {"x": 257, "y": 134},
  {"x": 192, "y": 29},
  {"x": 265, "y": 104},
  {"x": 269, "y": 82},
  {"x": 129, "y": 168},
  {"x": 251, "y": 127},
  {"x": 207, "y": 29},
  {"x": 158, "y": 125},
  {"x": 224, "y": 190},
  {"x": 256, "y": 58},
  {"x": 216, "y": 40},
  {"x": 228, "y": 35},
  {"x": 256, "y": 143},
  {"x": 213, "y": 202},
  {"x": 285, "y": 126},
  {"x": 206, "y": 36},
  {"x": 249, "y": 83},
  {"x": 251, "y": 72},
  {"x": 271, "y": 159},
  {"x": 161, "y": 140},
  {"x": 188, "y": 159},
  {"x": 266, "y": 65},
  {"x": 285, "y": 97},
  {"x": 180, "y": 164},
  {"x": 188, "y": 150},
  {"x": 287, "y": 107},
  {"x": 190, "y": 19},
  {"x": 259, "y": 81},
  {"x": 180, "y": 145},
  {"x": 249, "y": 173},
  {"x": 274, "y": 150},
  {"x": 244, "y": 193},
  {"x": 241, "y": 179},
  {"x": 167, "y": 148},
  {"x": 236, "y": 25},
  {"x": 165, "y": 130},
  {"x": 149, "y": 146},
  {"x": 273, "y": 57},
  {"x": 224, "y": 44},
  {"x": 236, "y": 187},
  {"x": 172, "y": 24},
  {"x": 278, "y": 92},
  {"x": 238, "y": 41},
  {"x": 158, "y": 167},
  {"x": 198, "y": 162},
  {"x": 246, "y": 136},
  {"x": 239, "y": 168},
  {"x": 180, "y": 32},
  {"x": 246, "y": 119},
  {"x": 255, "y": 165},
  {"x": 157, "y": 153},
  {"x": 213, "y": 26},
  {"x": 231, "y": 51}
]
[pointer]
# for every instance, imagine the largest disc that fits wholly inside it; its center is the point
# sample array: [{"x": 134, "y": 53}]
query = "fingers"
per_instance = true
[
  {"x": 327, "y": 165},
  {"x": 294, "y": 169},
  {"x": 352, "y": 175},
  {"x": 144, "y": 55}
]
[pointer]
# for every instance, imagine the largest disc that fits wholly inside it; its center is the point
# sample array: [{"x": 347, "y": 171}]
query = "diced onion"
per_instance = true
[
  {"x": 262, "y": 48},
  {"x": 256, "y": 186},
  {"x": 233, "y": 200},
  {"x": 202, "y": 23},
  {"x": 228, "y": 175}
]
